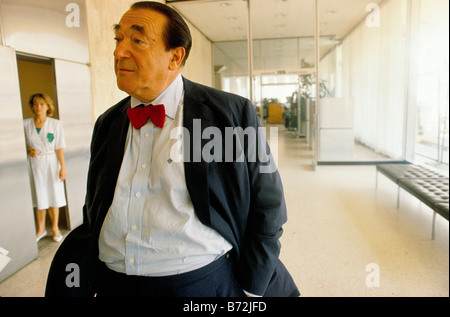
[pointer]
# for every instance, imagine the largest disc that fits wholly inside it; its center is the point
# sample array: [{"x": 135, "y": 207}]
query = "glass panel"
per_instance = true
[
  {"x": 362, "y": 80},
  {"x": 230, "y": 60},
  {"x": 283, "y": 63},
  {"x": 276, "y": 55},
  {"x": 432, "y": 81},
  {"x": 225, "y": 24},
  {"x": 283, "y": 56}
]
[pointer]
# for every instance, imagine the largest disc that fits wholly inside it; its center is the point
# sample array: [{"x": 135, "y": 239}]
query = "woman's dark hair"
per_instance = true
[{"x": 177, "y": 32}]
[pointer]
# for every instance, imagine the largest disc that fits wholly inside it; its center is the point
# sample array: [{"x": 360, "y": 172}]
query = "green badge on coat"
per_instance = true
[{"x": 50, "y": 137}]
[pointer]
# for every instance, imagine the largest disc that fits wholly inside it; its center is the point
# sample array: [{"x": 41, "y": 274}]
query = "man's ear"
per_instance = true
[{"x": 178, "y": 54}]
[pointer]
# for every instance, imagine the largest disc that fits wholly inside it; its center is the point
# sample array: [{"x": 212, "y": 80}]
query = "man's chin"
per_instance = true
[{"x": 124, "y": 86}]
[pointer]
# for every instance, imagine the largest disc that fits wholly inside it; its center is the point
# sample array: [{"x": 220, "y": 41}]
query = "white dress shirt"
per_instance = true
[{"x": 151, "y": 228}]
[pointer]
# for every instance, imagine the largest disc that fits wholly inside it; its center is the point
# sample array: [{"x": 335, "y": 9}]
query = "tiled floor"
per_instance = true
[{"x": 344, "y": 237}]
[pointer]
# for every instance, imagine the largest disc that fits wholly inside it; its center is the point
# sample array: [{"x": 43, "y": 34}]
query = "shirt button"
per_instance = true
[
  {"x": 133, "y": 227},
  {"x": 146, "y": 135},
  {"x": 131, "y": 261},
  {"x": 143, "y": 166},
  {"x": 138, "y": 195}
]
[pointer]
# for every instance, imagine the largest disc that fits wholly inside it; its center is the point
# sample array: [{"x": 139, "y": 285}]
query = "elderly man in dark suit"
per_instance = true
[{"x": 168, "y": 211}]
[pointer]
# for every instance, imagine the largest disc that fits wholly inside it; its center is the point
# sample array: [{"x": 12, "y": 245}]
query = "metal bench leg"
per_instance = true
[
  {"x": 433, "y": 229},
  {"x": 398, "y": 196},
  {"x": 376, "y": 180}
]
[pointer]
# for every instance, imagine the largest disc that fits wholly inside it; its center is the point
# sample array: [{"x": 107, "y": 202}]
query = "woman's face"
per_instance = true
[{"x": 40, "y": 107}]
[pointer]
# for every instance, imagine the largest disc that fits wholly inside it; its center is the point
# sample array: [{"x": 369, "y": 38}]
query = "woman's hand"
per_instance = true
[
  {"x": 62, "y": 174},
  {"x": 31, "y": 151}
]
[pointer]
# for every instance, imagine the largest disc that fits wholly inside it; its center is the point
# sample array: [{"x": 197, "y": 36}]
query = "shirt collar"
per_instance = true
[{"x": 170, "y": 98}]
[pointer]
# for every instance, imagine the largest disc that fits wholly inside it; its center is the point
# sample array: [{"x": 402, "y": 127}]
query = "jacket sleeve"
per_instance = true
[{"x": 260, "y": 247}]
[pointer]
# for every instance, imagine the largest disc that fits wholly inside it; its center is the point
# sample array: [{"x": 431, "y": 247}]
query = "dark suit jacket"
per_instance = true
[{"x": 245, "y": 206}]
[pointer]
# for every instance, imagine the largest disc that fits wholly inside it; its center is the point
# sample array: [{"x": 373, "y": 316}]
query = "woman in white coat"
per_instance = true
[{"x": 45, "y": 147}]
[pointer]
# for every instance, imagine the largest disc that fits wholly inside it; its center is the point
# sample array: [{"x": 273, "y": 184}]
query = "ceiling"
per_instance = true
[{"x": 283, "y": 29}]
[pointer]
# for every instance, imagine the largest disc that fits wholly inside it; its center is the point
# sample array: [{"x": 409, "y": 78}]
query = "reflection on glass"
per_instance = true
[
  {"x": 283, "y": 63},
  {"x": 432, "y": 80},
  {"x": 362, "y": 77},
  {"x": 230, "y": 61},
  {"x": 383, "y": 71},
  {"x": 393, "y": 69}
]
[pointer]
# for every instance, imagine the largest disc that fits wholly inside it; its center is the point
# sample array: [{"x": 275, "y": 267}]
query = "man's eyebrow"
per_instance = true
[{"x": 138, "y": 28}]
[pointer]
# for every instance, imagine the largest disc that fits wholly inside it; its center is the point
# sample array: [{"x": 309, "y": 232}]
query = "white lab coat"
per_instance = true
[{"x": 46, "y": 187}]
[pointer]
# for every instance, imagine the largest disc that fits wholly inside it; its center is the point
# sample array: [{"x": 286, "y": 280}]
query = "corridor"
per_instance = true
[{"x": 344, "y": 237}]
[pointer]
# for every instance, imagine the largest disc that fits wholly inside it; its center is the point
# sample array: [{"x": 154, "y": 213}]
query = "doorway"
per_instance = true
[{"x": 37, "y": 75}]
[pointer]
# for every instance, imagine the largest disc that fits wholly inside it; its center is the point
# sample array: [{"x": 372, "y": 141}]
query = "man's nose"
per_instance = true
[{"x": 122, "y": 50}]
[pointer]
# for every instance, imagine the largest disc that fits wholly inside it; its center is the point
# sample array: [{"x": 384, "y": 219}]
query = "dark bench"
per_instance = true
[{"x": 424, "y": 183}]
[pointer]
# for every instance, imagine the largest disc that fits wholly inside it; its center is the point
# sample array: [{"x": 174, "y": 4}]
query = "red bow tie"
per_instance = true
[{"x": 139, "y": 115}]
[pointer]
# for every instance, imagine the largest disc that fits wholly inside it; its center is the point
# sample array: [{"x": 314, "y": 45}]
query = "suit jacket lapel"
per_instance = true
[
  {"x": 196, "y": 117},
  {"x": 114, "y": 155},
  {"x": 119, "y": 133}
]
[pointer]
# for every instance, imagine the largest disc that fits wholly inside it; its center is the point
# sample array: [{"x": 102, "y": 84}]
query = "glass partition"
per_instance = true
[
  {"x": 430, "y": 79},
  {"x": 230, "y": 60},
  {"x": 263, "y": 50},
  {"x": 225, "y": 24},
  {"x": 383, "y": 71},
  {"x": 363, "y": 82},
  {"x": 386, "y": 81}
]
